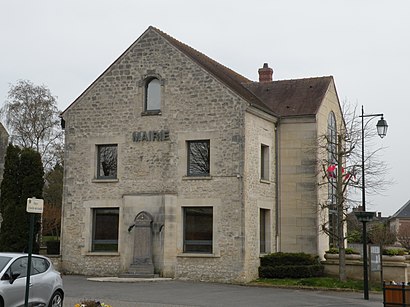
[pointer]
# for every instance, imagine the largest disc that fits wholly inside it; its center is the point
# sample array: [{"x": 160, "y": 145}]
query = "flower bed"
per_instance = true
[{"x": 91, "y": 303}]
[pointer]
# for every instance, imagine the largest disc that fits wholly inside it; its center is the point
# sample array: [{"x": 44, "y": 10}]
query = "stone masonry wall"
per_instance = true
[
  {"x": 298, "y": 191},
  {"x": 301, "y": 194},
  {"x": 330, "y": 104},
  {"x": 258, "y": 193},
  {"x": 194, "y": 105}
]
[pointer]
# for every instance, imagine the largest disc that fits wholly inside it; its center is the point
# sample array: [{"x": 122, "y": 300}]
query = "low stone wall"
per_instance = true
[
  {"x": 395, "y": 268},
  {"x": 56, "y": 260}
]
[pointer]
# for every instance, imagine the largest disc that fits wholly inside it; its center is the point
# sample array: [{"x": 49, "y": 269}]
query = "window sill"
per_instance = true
[
  {"x": 110, "y": 254},
  {"x": 95, "y": 180},
  {"x": 192, "y": 255},
  {"x": 151, "y": 113},
  {"x": 197, "y": 178},
  {"x": 265, "y": 181}
]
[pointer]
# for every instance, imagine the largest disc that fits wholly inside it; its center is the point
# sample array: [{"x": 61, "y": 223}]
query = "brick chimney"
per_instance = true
[{"x": 265, "y": 73}]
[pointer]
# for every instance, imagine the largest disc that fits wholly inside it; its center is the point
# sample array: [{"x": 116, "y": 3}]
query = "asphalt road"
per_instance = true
[{"x": 182, "y": 293}]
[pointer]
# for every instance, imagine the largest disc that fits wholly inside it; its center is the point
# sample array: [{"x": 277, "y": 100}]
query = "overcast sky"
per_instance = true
[{"x": 363, "y": 44}]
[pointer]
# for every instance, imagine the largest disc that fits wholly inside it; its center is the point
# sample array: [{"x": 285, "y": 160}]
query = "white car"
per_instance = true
[{"x": 46, "y": 284}]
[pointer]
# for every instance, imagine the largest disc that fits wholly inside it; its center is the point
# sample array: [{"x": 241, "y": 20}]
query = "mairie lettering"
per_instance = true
[{"x": 150, "y": 136}]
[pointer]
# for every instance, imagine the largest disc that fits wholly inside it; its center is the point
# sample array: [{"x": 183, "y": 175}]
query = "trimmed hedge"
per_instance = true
[
  {"x": 279, "y": 259},
  {"x": 291, "y": 271},
  {"x": 290, "y": 265}
]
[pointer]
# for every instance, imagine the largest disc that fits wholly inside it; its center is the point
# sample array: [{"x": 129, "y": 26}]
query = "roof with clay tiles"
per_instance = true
[
  {"x": 298, "y": 97},
  {"x": 284, "y": 98}
]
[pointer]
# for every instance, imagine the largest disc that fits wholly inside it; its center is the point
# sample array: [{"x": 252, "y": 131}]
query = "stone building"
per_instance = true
[
  {"x": 178, "y": 166},
  {"x": 400, "y": 220}
]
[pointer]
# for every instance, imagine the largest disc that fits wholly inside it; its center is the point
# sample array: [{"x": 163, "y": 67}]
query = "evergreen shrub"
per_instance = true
[{"x": 290, "y": 265}]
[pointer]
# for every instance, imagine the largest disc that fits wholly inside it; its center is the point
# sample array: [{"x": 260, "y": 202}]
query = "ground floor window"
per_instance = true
[
  {"x": 105, "y": 230},
  {"x": 198, "y": 229}
]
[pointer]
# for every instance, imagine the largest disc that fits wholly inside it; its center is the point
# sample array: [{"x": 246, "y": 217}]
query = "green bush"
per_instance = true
[
  {"x": 348, "y": 251},
  {"x": 291, "y": 271},
  {"x": 290, "y": 265},
  {"x": 394, "y": 252},
  {"x": 282, "y": 259}
]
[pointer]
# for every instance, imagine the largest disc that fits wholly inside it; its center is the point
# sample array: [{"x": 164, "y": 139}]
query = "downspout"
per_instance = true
[{"x": 277, "y": 190}]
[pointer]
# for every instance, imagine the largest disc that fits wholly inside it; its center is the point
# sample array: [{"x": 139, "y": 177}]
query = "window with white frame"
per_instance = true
[
  {"x": 105, "y": 229},
  {"x": 198, "y": 158},
  {"x": 107, "y": 161},
  {"x": 198, "y": 229},
  {"x": 264, "y": 162}
]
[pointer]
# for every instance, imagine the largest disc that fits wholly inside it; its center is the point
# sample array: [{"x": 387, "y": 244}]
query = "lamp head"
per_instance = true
[{"x": 382, "y": 127}]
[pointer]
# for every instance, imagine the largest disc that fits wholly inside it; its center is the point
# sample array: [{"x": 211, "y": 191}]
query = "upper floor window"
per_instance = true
[
  {"x": 153, "y": 95},
  {"x": 198, "y": 158},
  {"x": 332, "y": 138},
  {"x": 264, "y": 162},
  {"x": 107, "y": 161},
  {"x": 332, "y": 193}
]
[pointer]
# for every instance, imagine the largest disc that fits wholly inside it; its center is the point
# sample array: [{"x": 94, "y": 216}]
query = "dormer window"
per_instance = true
[{"x": 153, "y": 95}]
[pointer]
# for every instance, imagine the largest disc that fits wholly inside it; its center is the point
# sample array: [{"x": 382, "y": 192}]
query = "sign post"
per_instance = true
[{"x": 34, "y": 206}]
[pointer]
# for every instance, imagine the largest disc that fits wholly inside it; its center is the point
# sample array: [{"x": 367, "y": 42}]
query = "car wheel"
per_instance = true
[
  {"x": 56, "y": 300},
  {"x": 1, "y": 302}
]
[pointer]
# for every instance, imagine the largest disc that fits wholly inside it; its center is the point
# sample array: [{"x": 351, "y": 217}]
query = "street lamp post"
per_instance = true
[{"x": 364, "y": 216}]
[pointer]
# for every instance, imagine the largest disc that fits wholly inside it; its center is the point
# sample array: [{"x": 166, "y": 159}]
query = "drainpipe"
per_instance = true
[{"x": 277, "y": 185}]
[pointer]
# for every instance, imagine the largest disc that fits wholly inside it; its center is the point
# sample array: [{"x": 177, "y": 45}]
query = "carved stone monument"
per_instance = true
[{"x": 142, "y": 265}]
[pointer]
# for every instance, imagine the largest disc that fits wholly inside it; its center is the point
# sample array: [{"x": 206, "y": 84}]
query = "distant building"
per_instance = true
[
  {"x": 401, "y": 218},
  {"x": 178, "y": 166}
]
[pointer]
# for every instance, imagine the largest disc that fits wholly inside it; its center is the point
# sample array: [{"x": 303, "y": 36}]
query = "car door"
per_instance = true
[
  {"x": 15, "y": 292},
  {"x": 41, "y": 285}
]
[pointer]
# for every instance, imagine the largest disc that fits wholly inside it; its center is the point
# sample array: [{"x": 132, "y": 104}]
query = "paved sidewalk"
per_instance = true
[{"x": 120, "y": 292}]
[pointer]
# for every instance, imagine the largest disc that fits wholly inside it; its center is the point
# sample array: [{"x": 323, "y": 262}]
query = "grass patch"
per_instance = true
[
  {"x": 320, "y": 282},
  {"x": 49, "y": 238}
]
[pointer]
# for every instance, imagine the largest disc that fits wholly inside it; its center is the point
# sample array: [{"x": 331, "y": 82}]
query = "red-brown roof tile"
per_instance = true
[
  {"x": 292, "y": 97},
  {"x": 283, "y": 98}
]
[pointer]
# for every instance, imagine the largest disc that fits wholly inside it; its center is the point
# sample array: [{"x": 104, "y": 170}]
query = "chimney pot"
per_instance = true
[{"x": 265, "y": 73}]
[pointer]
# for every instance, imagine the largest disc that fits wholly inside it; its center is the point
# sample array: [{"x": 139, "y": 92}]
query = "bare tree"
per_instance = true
[
  {"x": 32, "y": 118},
  {"x": 381, "y": 234},
  {"x": 403, "y": 235},
  {"x": 341, "y": 165}
]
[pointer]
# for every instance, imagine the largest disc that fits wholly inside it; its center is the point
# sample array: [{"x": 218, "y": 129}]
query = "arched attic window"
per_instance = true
[{"x": 152, "y": 95}]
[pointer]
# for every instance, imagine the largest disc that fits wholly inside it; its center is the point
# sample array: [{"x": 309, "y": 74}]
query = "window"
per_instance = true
[
  {"x": 153, "y": 95},
  {"x": 105, "y": 230},
  {"x": 107, "y": 161},
  {"x": 332, "y": 160},
  {"x": 264, "y": 162},
  {"x": 39, "y": 265},
  {"x": 19, "y": 267},
  {"x": 264, "y": 233},
  {"x": 198, "y": 158},
  {"x": 198, "y": 225}
]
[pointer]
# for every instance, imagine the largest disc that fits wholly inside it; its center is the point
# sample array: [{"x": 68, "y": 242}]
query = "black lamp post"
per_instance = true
[{"x": 364, "y": 216}]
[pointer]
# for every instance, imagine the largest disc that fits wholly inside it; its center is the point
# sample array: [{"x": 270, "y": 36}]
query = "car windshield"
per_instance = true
[{"x": 3, "y": 261}]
